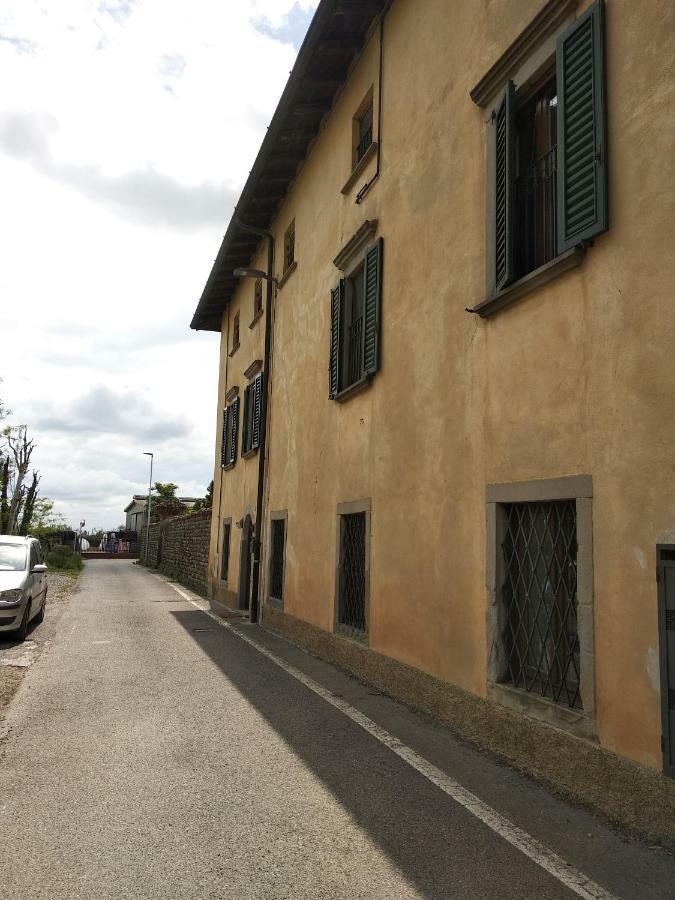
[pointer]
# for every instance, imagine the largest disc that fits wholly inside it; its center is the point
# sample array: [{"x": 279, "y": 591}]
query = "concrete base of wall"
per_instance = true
[
  {"x": 227, "y": 612},
  {"x": 629, "y": 795}
]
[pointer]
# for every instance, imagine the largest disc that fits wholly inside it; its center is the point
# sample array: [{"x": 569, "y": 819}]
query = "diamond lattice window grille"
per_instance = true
[
  {"x": 352, "y": 600},
  {"x": 539, "y": 595}
]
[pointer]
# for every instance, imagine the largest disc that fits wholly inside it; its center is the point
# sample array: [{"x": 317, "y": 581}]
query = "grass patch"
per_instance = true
[{"x": 62, "y": 559}]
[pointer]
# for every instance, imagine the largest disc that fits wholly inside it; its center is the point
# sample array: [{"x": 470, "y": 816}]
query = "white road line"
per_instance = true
[{"x": 555, "y": 865}]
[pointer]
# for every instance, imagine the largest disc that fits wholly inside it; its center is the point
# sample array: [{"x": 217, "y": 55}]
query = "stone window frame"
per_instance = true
[
  {"x": 532, "y": 52},
  {"x": 276, "y": 516},
  {"x": 359, "y": 165},
  {"x": 348, "y": 261},
  {"x": 346, "y": 509},
  {"x": 573, "y": 487},
  {"x": 289, "y": 245},
  {"x": 236, "y": 340}
]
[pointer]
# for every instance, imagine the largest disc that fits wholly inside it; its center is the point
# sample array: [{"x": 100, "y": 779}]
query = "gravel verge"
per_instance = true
[{"x": 15, "y": 658}]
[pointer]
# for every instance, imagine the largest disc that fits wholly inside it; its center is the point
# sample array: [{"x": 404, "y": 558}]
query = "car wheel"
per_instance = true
[
  {"x": 41, "y": 615},
  {"x": 22, "y": 630}
]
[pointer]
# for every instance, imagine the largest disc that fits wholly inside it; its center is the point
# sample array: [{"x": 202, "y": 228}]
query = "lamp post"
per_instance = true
[{"x": 147, "y": 524}]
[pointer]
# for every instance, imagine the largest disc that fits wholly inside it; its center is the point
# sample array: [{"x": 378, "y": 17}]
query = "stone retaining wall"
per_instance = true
[
  {"x": 184, "y": 553},
  {"x": 151, "y": 558},
  {"x": 179, "y": 547}
]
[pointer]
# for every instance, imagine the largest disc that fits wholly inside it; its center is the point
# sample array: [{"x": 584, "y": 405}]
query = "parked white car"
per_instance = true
[{"x": 23, "y": 584}]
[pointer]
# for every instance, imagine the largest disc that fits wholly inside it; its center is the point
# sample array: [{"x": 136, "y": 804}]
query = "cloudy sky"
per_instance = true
[{"x": 127, "y": 129}]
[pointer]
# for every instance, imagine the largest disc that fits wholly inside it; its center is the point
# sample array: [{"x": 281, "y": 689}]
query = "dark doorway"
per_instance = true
[
  {"x": 665, "y": 557},
  {"x": 245, "y": 563}
]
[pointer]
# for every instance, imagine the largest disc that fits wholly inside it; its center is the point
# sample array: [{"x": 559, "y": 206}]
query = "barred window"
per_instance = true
[
  {"x": 277, "y": 559},
  {"x": 539, "y": 594},
  {"x": 351, "y": 612},
  {"x": 235, "y": 333},
  {"x": 364, "y": 131},
  {"x": 258, "y": 299},
  {"x": 289, "y": 246}
]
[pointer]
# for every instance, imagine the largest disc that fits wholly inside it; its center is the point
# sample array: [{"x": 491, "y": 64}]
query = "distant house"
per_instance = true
[{"x": 135, "y": 510}]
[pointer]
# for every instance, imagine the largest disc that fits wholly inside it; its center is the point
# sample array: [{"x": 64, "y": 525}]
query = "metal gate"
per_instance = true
[{"x": 665, "y": 576}]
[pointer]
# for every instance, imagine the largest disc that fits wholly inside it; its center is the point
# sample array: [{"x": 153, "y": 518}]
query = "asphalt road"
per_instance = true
[{"x": 151, "y": 752}]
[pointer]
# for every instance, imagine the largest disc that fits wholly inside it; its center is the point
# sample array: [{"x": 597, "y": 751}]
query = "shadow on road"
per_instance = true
[{"x": 440, "y": 848}]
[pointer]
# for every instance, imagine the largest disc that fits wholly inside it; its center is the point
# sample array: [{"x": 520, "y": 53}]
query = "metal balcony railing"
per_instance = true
[
  {"x": 364, "y": 143},
  {"x": 354, "y": 351},
  {"x": 536, "y": 210}
]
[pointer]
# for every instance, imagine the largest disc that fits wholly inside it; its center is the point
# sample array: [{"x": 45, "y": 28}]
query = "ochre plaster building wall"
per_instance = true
[{"x": 577, "y": 378}]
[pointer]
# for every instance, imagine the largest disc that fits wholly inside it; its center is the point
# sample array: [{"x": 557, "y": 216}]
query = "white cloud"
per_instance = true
[{"x": 128, "y": 131}]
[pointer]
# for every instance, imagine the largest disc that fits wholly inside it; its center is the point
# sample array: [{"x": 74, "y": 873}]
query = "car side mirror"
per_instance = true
[{"x": 39, "y": 569}]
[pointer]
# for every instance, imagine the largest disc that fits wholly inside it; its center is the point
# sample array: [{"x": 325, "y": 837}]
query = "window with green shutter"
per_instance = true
[
  {"x": 228, "y": 447},
  {"x": 234, "y": 430},
  {"x": 252, "y": 415},
  {"x": 355, "y": 309},
  {"x": 224, "y": 438},
  {"x": 550, "y": 155}
]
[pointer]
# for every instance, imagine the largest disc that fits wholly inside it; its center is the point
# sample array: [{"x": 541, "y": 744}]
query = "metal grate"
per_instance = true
[
  {"x": 539, "y": 594},
  {"x": 355, "y": 350},
  {"x": 670, "y": 619},
  {"x": 536, "y": 199},
  {"x": 289, "y": 247},
  {"x": 278, "y": 539},
  {"x": 363, "y": 144},
  {"x": 365, "y": 136},
  {"x": 352, "y": 599}
]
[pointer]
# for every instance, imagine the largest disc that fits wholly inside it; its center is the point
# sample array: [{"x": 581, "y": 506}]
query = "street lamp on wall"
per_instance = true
[{"x": 254, "y": 273}]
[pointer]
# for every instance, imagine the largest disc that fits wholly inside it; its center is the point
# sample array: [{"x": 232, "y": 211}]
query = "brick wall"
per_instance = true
[{"x": 179, "y": 547}]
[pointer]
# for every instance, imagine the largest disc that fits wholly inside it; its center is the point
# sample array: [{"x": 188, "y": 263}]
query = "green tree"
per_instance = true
[
  {"x": 207, "y": 502},
  {"x": 44, "y": 521},
  {"x": 164, "y": 490}
]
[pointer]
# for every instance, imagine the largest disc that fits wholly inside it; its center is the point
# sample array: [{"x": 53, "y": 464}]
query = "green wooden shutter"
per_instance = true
[
  {"x": 582, "y": 129},
  {"x": 257, "y": 406},
  {"x": 372, "y": 304},
  {"x": 336, "y": 303},
  {"x": 223, "y": 446},
  {"x": 505, "y": 131},
  {"x": 234, "y": 430},
  {"x": 245, "y": 434}
]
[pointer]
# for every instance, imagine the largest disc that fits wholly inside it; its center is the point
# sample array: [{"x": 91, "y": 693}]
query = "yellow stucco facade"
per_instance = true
[{"x": 576, "y": 378}]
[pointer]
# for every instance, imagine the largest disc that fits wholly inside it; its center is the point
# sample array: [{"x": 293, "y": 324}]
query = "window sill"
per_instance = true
[
  {"x": 541, "y": 276},
  {"x": 227, "y": 467},
  {"x": 249, "y": 453},
  {"x": 574, "y": 721},
  {"x": 256, "y": 319},
  {"x": 287, "y": 274},
  {"x": 351, "y": 634},
  {"x": 234, "y": 350},
  {"x": 353, "y": 389},
  {"x": 359, "y": 167}
]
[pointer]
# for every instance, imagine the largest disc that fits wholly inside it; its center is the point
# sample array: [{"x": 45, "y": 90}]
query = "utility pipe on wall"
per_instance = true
[{"x": 257, "y": 542}]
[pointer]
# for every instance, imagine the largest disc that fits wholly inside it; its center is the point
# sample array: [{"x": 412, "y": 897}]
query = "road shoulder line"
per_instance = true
[{"x": 547, "y": 859}]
